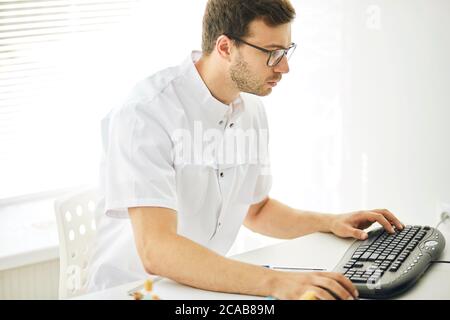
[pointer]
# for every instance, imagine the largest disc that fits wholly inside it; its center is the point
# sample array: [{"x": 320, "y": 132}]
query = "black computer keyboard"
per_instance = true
[{"x": 386, "y": 264}]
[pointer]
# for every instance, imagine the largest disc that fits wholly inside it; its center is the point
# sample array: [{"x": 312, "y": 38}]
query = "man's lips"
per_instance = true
[{"x": 274, "y": 82}]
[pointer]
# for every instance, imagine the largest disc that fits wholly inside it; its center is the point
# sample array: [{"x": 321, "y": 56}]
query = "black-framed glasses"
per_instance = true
[{"x": 275, "y": 56}]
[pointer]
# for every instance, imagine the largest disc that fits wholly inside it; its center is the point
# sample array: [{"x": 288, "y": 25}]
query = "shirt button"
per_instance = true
[
  {"x": 231, "y": 125},
  {"x": 221, "y": 122},
  {"x": 221, "y": 174}
]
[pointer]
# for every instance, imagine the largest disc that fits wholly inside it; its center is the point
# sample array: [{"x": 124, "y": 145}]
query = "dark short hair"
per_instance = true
[{"x": 233, "y": 17}]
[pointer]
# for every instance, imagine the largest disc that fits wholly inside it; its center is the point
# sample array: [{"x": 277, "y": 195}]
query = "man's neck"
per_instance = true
[{"x": 217, "y": 81}]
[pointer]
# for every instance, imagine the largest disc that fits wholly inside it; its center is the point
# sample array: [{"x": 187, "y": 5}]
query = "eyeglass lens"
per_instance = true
[{"x": 277, "y": 56}]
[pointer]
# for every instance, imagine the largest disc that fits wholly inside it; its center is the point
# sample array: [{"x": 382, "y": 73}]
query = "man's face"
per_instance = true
[{"x": 249, "y": 70}]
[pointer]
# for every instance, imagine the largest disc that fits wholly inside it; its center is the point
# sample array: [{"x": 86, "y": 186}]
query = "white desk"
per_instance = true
[{"x": 313, "y": 251}]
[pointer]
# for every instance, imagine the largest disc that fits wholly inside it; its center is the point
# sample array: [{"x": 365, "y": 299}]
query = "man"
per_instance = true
[{"x": 186, "y": 211}]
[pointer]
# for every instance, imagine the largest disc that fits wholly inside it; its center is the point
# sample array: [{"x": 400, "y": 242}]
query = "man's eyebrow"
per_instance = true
[{"x": 276, "y": 46}]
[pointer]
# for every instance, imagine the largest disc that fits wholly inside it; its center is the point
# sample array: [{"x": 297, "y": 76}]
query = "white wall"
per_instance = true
[
  {"x": 397, "y": 107},
  {"x": 363, "y": 119},
  {"x": 31, "y": 282}
]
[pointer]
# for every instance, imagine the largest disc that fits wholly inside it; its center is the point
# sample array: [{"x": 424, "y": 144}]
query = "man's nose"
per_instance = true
[{"x": 283, "y": 66}]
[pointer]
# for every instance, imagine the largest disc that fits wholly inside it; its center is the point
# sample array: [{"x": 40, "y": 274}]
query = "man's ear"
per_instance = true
[{"x": 223, "y": 47}]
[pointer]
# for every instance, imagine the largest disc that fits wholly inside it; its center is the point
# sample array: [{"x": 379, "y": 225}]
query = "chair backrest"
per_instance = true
[{"x": 76, "y": 229}]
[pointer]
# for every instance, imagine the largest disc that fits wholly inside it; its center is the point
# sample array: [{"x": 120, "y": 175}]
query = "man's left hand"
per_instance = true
[{"x": 353, "y": 224}]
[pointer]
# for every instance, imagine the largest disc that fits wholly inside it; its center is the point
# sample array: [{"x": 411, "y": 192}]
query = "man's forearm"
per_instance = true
[
  {"x": 277, "y": 220},
  {"x": 189, "y": 263}
]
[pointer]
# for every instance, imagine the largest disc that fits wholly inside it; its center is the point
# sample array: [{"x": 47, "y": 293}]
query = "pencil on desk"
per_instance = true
[{"x": 292, "y": 268}]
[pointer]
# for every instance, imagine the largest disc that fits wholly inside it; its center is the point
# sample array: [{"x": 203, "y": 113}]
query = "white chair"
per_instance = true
[{"x": 76, "y": 229}]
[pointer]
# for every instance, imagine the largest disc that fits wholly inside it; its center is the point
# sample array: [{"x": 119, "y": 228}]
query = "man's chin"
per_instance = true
[
  {"x": 265, "y": 92},
  {"x": 262, "y": 92}
]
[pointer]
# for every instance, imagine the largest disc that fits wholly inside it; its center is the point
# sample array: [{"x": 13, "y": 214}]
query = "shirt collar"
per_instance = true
[{"x": 213, "y": 108}]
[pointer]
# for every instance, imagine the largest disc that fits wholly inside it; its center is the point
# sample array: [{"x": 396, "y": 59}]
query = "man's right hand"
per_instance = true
[{"x": 325, "y": 286}]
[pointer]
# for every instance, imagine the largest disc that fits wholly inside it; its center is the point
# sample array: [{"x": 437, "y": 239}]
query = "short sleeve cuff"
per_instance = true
[{"x": 119, "y": 209}]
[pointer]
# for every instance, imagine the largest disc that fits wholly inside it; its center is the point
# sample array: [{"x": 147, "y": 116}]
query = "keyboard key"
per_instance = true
[
  {"x": 393, "y": 269},
  {"x": 365, "y": 256},
  {"x": 391, "y": 257},
  {"x": 358, "y": 280},
  {"x": 373, "y": 257}
]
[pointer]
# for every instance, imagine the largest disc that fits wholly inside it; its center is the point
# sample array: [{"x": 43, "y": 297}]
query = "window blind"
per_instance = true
[{"x": 47, "y": 50}]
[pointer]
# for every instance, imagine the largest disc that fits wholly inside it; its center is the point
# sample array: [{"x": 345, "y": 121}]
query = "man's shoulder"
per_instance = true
[
  {"x": 146, "y": 96},
  {"x": 148, "y": 89}
]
